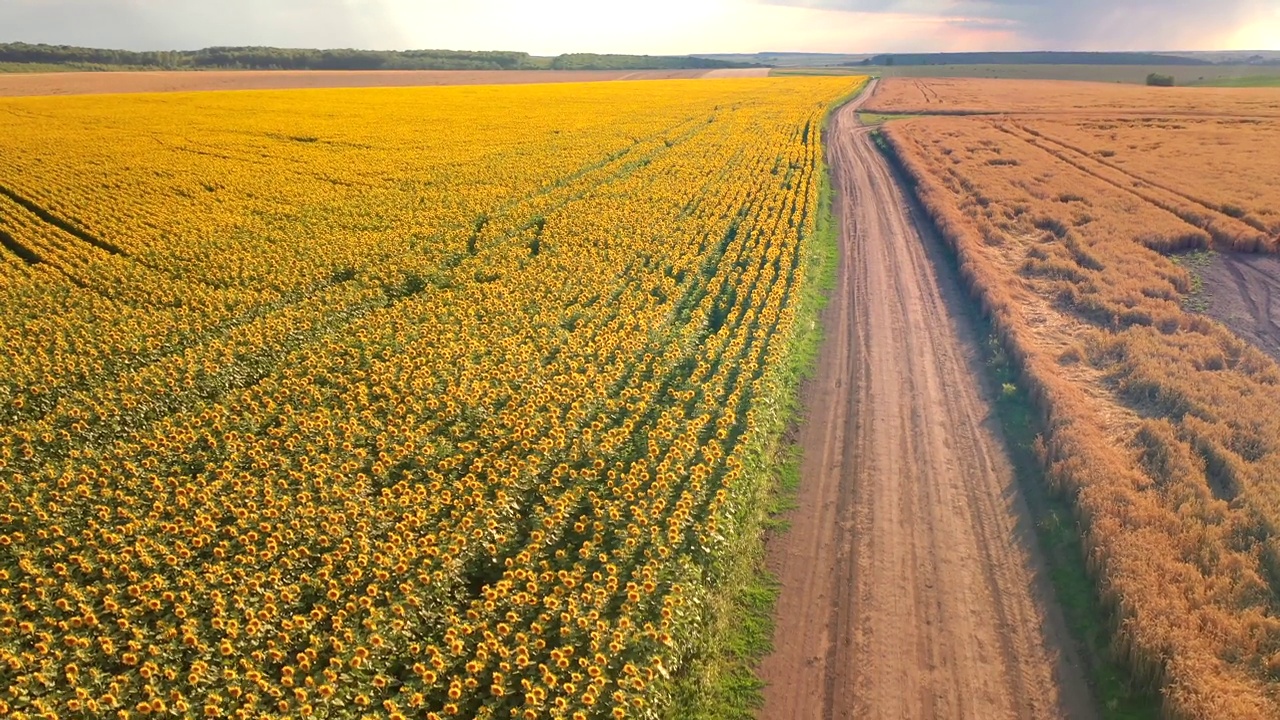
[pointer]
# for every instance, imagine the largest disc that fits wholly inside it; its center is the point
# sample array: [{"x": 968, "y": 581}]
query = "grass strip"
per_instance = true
[{"x": 877, "y": 119}]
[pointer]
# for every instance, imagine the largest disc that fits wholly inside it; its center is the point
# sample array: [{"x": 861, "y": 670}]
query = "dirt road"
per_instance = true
[
  {"x": 90, "y": 83},
  {"x": 911, "y": 585}
]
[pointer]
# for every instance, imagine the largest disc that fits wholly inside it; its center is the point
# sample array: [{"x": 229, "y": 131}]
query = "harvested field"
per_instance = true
[
  {"x": 1161, "y": 422},
  {"x": 1054, "y": 97},
  {"x": 92, "y": 83}
]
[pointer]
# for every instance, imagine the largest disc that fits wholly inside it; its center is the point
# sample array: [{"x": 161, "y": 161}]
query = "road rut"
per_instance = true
[{"x": 911, "y": 583}]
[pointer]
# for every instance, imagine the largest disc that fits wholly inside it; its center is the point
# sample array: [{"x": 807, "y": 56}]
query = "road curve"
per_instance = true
[{"x": 911, "y": 586}]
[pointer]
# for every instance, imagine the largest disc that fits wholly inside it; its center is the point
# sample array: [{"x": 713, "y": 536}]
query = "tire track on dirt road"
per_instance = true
[{"x": 911, "y": 583}]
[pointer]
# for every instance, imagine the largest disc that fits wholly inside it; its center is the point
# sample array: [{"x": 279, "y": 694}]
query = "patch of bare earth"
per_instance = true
[
  {"x": 1242, "y": 291},
  {"x": 911, "y": 584},
  {"x": 89, "y": 83}
]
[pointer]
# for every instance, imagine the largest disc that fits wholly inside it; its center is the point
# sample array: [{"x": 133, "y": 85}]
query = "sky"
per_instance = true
[{"x": 550, "y": 27}]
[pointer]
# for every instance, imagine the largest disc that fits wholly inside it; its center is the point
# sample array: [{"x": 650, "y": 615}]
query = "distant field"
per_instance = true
[
  {"x": 961, "y": 96},
  {"x": 1225, "y": 75},
  {"x": 793, "y": 71},
  {"x": 94, "y": 83}
]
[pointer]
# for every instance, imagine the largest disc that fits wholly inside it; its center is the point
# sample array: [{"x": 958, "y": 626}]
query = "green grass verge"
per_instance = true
[
  {"x": 1196, "y": 262},
  {"x": 874, "y": 119},
  {"x": 1246, "y": 81},
  {"x": 723, "y": 685},
  {"x": 1059, "y": 539},
  {"x": 1057, "y": 532}
]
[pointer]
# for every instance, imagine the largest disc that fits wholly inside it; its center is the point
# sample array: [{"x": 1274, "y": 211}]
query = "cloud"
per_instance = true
[
  {"x": 191, "y": 24},
  {"x": 652, "y": 26},
  {"x": 1079, "y": 24}
]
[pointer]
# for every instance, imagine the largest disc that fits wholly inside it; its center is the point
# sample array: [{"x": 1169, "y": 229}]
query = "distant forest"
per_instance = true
[{"x": 271, "y": 58}]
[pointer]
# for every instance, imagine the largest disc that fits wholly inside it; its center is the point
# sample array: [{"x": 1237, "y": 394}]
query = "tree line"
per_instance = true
[{"x": 273, "y": 58}]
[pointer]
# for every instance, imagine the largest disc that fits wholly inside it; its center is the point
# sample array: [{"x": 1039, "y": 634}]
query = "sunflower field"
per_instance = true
[{"x": 391, "y": 403}]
